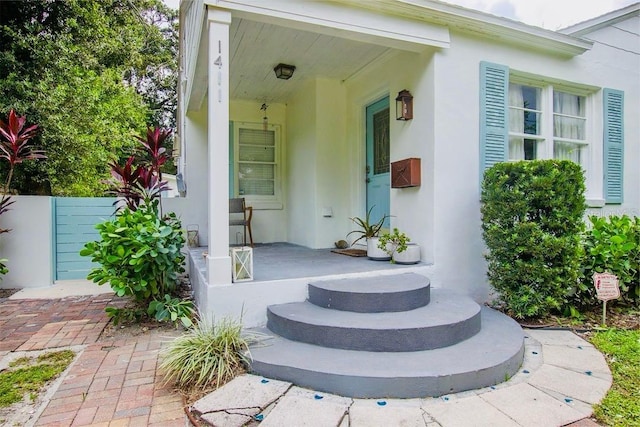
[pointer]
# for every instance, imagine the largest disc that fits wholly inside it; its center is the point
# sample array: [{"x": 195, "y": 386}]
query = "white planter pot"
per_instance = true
[
  {"x": 410, "y": 256},
  {"x": 374, "y": 252}
]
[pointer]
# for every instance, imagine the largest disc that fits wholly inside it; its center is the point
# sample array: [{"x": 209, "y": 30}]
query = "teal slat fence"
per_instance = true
[{"x": 75, "y": 219}]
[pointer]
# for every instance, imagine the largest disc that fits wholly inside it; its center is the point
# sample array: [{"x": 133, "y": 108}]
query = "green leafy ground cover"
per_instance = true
[
  {"x": 28, "y": 375},
  {"x": 621, "y": 405}
]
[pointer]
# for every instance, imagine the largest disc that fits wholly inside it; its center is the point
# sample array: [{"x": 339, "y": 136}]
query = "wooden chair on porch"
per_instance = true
[{"x": 240, "y": 215}]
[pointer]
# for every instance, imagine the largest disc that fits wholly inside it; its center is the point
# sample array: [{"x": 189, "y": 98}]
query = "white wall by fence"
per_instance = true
[{"x": 28, "y": 247}]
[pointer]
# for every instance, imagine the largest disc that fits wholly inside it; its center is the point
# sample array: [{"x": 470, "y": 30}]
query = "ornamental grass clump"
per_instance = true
[
  {"x": 532, "y": 223},
  {"x": 209, "y": 354}
]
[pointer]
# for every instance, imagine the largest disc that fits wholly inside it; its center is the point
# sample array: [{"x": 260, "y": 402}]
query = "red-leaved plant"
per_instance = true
[
  {"x": 152, "y": 145},
  {"x": 142, "y": 183},
  {"x": 15, "y": 148}
]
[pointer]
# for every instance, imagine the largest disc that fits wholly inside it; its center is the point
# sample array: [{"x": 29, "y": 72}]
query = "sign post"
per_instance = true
[{"x": 606, "y": 289}]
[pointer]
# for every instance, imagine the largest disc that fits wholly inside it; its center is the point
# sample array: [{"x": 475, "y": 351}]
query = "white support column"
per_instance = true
[{"x": 218, "y": 260}]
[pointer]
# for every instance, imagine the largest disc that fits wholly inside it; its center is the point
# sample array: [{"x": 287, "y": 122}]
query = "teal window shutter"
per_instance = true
[
  {"x": 231, "y": 162},
  {"x": 613, "y": 103},
  {"x": 494, "y": 115}
]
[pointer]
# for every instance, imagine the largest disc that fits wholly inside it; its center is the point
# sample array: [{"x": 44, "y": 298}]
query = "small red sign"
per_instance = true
[{"x": 606, "y": 286}]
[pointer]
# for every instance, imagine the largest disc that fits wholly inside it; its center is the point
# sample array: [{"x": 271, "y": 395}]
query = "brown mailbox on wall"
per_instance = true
[{"x": 405, "y": 173}]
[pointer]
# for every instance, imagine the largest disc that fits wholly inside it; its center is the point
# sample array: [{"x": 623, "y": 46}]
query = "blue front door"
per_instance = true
[{"x": 378, "y": 180}]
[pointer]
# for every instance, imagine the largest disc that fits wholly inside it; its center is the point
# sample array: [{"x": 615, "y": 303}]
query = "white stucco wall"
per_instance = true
[
  {"x": 332, "y": 164},
  {"x": 195, "y": 174},
  {"x": 301, "y": 166},
  {"x": 28, "y": 247}
]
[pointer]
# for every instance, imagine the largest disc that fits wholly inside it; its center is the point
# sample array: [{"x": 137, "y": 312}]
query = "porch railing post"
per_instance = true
[{"x": 218, "y": 259}]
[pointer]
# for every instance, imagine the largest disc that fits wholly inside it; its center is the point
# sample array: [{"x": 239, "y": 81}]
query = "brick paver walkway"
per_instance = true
[{"x": 113, "y": 382}]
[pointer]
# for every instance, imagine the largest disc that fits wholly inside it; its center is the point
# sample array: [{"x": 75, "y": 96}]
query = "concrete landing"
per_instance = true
[{"x": 531, "y": 397}]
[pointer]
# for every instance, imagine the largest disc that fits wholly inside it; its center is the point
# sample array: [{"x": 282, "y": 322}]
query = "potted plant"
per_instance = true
[
  {"x": 398, "y": 248},
  {"x": 370, "y": 232}
]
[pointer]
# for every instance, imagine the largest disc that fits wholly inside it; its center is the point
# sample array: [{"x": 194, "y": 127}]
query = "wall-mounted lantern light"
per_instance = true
[
  {"x": 284, "y": 71},
  {"x": 404, "y": 105}
]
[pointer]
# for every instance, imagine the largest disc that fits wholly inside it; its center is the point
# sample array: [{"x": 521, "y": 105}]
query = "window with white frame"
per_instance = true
[
  {"x": 256, "y": 154},
  {"x": 525, "y": 117},
  {"x": 539, "y": 116}
]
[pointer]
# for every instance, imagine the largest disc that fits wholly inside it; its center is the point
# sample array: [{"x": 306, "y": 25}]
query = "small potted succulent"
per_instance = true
[
  {"x": 398, "y": 248},
  {"x": 370, "y": 232}
]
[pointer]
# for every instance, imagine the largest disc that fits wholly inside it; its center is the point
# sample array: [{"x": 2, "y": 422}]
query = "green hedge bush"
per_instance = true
[
  {"x": 140, "y": 256},
  {"x": 532, "y": 223},
  {"x": 611, "y": 244}
]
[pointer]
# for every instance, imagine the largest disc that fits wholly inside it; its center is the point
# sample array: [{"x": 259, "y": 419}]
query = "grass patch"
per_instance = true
[
  {"x": 206, "y": 355},
  {"x": 621, "y": 405},
  {"x": 30, "y": 374}
]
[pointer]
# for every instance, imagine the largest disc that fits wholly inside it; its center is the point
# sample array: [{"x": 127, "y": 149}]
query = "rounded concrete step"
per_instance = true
[
  {"x": 397, "y": 292},
  {"x": 447, "y": 320},
  {"x": 490, "y": 357}
]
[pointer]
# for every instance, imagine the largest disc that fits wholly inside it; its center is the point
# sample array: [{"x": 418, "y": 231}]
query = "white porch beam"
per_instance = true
[
  {"x": 353, "y": 23},
  {"x": 218, "y": 260}
]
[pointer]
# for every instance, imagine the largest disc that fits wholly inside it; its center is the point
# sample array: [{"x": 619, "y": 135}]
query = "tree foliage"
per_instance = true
[{"x": 92, "y": 74}]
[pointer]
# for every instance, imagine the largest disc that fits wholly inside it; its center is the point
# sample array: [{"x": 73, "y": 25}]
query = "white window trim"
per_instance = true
[
  {"x": 593, "y": 162},
  {"x": 255, "y": 201}
]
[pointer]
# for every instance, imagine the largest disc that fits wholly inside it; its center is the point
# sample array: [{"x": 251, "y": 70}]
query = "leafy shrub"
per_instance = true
[
  {"x": 611, "y": 244},
  {"x": 172, "y": 309},
  {"x": 208, "y": 354},
  {"x": 532, "y": 221},
  {"x": 139, "y": 256}
]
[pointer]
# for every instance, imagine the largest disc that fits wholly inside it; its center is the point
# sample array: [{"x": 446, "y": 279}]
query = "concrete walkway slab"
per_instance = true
[
  {"x": 562, "y": 338},
  {"x": 384, "y": 413},
  {"x": 63, "y": 289},
  {"x": 456, "y": 413},
  {"x": 302, "y": 410},
  {"x": 583, "y": 359},
  {"x": 244, "y": 395},
  {"x": 530, "y": 407},
  {"x": 572, "y": 384}
]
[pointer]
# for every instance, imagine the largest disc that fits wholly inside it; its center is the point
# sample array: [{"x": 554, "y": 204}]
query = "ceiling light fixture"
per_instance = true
[{"x": 284, "y": 71}]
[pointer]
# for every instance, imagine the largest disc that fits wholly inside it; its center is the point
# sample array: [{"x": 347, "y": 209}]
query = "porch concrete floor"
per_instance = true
[{"x": 277, "y": 261}]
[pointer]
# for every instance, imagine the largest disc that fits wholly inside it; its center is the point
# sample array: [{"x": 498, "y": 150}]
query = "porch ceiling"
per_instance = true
[{"x": 257, "y": 47}]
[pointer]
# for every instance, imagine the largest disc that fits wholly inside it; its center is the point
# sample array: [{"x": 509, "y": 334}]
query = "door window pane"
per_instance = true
[{"x": 381, "y": 142}]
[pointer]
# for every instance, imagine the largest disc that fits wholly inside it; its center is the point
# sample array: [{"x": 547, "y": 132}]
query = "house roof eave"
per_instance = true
[
  {"x": 476, "y": 22},
  {"x": 585, "y": 27}
]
